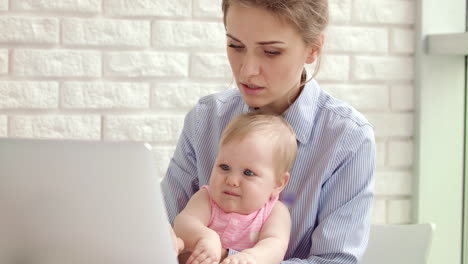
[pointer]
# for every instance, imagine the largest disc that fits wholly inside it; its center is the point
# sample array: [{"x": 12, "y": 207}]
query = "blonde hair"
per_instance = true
[
  {"x": 272, "y": 126},
  {"x": 310, "y": 17}
]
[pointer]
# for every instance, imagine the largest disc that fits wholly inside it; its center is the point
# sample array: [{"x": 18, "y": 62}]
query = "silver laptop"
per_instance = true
[{"x": 74, "y": 202}]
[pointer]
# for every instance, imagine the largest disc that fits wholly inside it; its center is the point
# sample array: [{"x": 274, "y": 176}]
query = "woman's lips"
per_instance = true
[{"x": 252, "y": 91}]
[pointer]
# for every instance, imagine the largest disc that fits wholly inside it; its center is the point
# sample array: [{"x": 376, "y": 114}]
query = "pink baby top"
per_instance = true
[{"x": 238, "y": 231}]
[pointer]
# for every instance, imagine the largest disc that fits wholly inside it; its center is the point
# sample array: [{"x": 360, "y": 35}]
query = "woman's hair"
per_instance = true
[
  {"x": 273, "y": 127},
  {"x": 309, "y": 17}
]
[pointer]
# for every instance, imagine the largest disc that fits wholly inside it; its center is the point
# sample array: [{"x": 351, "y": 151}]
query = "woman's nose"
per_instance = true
[{"x": 250, "y": 66}]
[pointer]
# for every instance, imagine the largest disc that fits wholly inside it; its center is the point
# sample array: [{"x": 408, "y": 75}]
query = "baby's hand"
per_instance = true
[
  {"x": 239, "y": 258},
  {"x": 206, "y": 251}
]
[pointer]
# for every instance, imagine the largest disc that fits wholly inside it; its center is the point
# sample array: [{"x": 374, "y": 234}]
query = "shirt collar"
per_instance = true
[{"x": 301, "y": 114}]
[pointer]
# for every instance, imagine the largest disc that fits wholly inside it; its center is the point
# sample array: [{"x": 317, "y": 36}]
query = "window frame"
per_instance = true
[{"x": 440, "y": 125}]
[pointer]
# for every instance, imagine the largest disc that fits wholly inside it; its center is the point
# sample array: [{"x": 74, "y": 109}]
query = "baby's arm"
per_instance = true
[
  {"x": 272, "y": 242},
  {"x": 191, "y": 225}
]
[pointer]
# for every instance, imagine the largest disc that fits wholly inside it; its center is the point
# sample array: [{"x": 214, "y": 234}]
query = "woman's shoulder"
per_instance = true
[
  {"x": 211, "y": 112},
  {"x": 227, "y": 96},
  {"x": 341, "y": 119},
  {"x": 229, "y": 101},
  {"x": 341, "y": 110}
]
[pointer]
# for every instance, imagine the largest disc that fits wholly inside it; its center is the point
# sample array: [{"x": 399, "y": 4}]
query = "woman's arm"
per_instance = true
[
  {"x": 181, "y": 181},
  {"x": 343, "y": 220}
]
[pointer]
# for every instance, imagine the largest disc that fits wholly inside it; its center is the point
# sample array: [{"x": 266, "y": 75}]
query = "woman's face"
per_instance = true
[{"x": 267, "y": 56}]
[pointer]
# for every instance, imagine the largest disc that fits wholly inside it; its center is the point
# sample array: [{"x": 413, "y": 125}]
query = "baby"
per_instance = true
[{"x": 239, "y": 209}]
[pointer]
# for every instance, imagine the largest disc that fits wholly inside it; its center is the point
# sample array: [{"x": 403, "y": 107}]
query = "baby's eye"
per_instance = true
[
  {"x": 224, "y": 167},
  {"x": 248, "y": 172}
]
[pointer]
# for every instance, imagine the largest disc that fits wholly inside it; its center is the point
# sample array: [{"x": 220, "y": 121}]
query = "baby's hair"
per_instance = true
[{"x": 274, "y": 127}]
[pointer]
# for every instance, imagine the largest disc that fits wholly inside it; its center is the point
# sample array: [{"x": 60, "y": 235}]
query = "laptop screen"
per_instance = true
[{"x": 81, "y": 202}]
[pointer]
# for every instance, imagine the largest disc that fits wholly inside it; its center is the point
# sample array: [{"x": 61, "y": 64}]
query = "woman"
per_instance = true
[{"x": 331, "y": 186}]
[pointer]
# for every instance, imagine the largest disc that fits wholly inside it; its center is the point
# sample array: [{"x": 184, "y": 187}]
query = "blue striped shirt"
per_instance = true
[{"x": 331, "y": 185}]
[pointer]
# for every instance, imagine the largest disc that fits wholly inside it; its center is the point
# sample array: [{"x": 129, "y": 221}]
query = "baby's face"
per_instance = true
[{"x": 244, "y": 175}]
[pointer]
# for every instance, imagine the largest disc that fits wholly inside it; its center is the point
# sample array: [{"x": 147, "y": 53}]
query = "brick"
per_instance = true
[
  {"x": 106, "y": 32},
  {"x": 357, "y": 39},
  {"x": 210, "y": 65},
  {"x": 400, "y": 153},
  {"x": 399, "y": 212},
  {"x": 28, "y": 94},
  {"x": 391, "y": 124},
  {"x": 163, "y": 157},
  {"x": 383, "y": 68},
  {"x": 3, "y": 126},
  {"x": 147, "y": 64},
  {"x": 173, "y": 8},
  {"x": 182, "y": 95},
  {"x": 156, "y": 129},
  {"x": 28, "y": 30},
  {"x": 332, "y": 67},
  {"x": 81, "y": 6},
  {"x": 207, "y": 8},
  {"x": 3, "y": 5},
  {"x": 385, "y": 12},
  {"x": 402, "y": 40},
  {"x": 340, "y": 11},
  {"x": 381, "y": 153},
  {"x": 361, "y": 96},
  {"x": 185, "y": 34},
  {"x": 393, "y": 183},
  {"x": 3, "y": 61},
  {"x": 61, "y": 126},
  {"x": 379, "y": 212},
  {"x": 98, "y": 95},
  {"x": 56, "y": 63},
  {"x": 401, "y": 97}
]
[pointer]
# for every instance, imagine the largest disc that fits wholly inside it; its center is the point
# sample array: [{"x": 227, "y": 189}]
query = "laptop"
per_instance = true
[{"x": 78, "y": 202}]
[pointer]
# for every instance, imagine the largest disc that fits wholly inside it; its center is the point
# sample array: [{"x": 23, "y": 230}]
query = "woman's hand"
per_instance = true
[
  {"x": 177, "y": 242},
  {"x": 207, "y": 251}
]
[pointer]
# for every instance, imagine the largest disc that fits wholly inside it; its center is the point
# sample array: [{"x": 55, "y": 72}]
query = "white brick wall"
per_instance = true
[
  {"x": 21, "y": 29},
  {"x": 384, "y": 11},
  {"x": 146, "y": 64},
  {"x": 3, "y": 61},
  {"x": 78, "y": 6},
  {"x": 28, "y": 95},
  {"x": 139, "y": 8},
  {"x": 3, "y": 126},
  {"x": 131, "y": 69},
  {"x": 56, "y": 63},
  {"x": 340, "y": 11},
  {"x": 105, "y": 32},
  {"x": 102, "y": 95},
  {"x": 56, "y": 126},
  {"x": 3, "y": 5}
]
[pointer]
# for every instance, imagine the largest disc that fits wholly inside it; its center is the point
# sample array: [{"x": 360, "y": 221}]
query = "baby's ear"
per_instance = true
[{"x": 280, "y": 184}]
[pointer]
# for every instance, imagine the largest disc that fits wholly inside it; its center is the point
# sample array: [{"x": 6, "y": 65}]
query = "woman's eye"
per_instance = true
[
  {"x": 224, "y": 167},
  {"x": 235, "y": 46},
  {"x": 248, "y": 172},
  {"x": 272, "y": 53}
]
